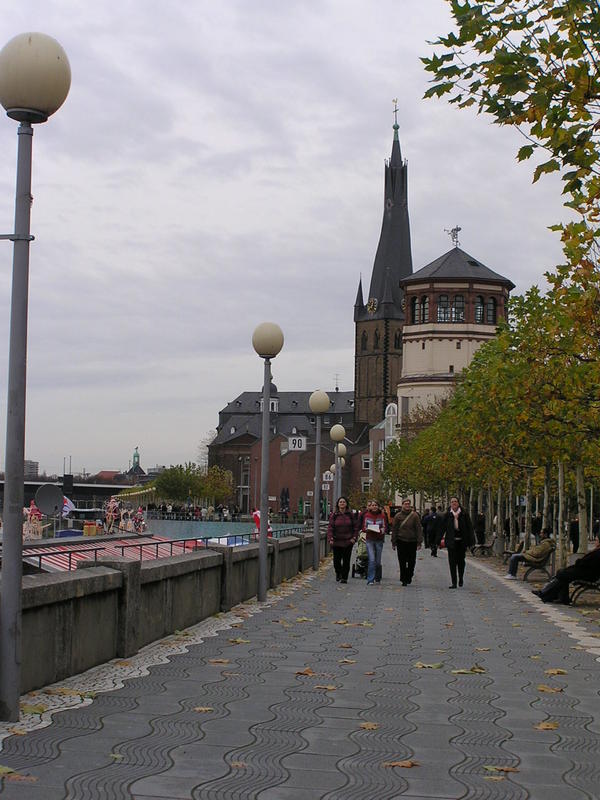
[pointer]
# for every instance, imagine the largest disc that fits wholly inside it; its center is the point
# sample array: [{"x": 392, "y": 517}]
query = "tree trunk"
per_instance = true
[
  {"x": 563, "y": 543},
  {"x": 546, "y": 507},
  {"x": 500, "y": 543},
  {"x": 581, "y": 509},
  {"x": 528, "y": 502},
  {"x": 489, "y": 520},
  {"x": 511, "y": 517}
]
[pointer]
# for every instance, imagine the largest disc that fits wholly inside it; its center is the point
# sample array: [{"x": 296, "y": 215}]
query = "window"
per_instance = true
[
  {"x": 366, "y": 462},
  {"x": 376, "y": 340},
  {"x": 458, "y": 345},
  {"x": 366, "y": 485},
  {"x": 425, "y": 309},
  {"x": 415, "y": 311},
  {"x": 273, "y": 405},
  {"x": 232, "y": 429},
  {"x": 479, "y": 309},
  {"x": 458, "y": 308},
  {"x": 398, "y": 340},
  {"x": 294, "y": 431},
  {"x": 451, "y": 369},
  {"x": 364, "y": 341},
  {"x": 490, "y": 308},
  {"x": 443, "y": 309}
]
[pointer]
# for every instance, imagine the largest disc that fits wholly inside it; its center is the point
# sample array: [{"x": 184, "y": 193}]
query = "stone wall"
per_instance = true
[{"x": 111, "y": 608}]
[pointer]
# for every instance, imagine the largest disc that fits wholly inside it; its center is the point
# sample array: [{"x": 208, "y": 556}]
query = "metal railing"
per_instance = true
[{"x": 55, "y": 552}]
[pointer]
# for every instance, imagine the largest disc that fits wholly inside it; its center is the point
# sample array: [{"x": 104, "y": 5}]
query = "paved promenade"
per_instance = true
[{"x": 334, "y": 692}]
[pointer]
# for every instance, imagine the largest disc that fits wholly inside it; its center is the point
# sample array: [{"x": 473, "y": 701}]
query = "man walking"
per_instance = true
[{"x": 407, "y": 535}]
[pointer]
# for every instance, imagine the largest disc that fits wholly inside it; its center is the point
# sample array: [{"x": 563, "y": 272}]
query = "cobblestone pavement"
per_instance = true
[{"x": 336, "y": 692}]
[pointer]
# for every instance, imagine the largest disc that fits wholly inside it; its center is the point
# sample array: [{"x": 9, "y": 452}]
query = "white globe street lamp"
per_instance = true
[
  {"x": 267, "y": 340},
  {"x": 35, "y": 77},
  {"x": 337, "y": 434},
  {"x": 319, "y": 403},
  {"x": 340, "y": 449}
]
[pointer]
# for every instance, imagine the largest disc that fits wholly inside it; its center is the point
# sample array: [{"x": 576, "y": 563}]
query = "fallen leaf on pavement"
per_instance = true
[
  {"x": 16, "y": 777},
  {"x": 421, "y": 665},
  {"x": 218, "y": 661},
  {"x": 474, "y": 670},
  {"x": 500, "y": 769},
  {"x": 546, "y": 726},
  {"x": 482, "y": 649},
  {"x": 347, "y": 661},
  {"x": 341, "y": 622},
  {"x": 240, "y": 641},
  {"x": 123, "y": 663},
  {"x": 34, "y": 709},
  {"x": 203, "y": 709},
  {"x": 549, "y": 689},
  {"x": 304, "y": 619},
  {"x": 555, "y": 671},
  {"x": 307, "y": 671},
  {"x": 370, "y": 726},
  {"x": 346, "y": 646},
  {"x": 5, "y": 770},
  {"x": 494, "y": 778},
  {"x": 329, "y": 688},
  {"x": 406, "y": 764},
  {"x": 238, "y": 764}
]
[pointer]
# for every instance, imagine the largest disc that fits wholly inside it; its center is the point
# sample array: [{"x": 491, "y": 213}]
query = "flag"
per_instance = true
[{"x": 68, "y": 506}]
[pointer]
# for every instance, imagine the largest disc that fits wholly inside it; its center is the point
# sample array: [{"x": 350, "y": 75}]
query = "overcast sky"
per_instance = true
[{"x": 218, "y": 164}]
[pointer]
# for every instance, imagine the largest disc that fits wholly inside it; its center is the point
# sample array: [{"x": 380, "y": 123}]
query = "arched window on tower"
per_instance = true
[
  {"x": 414, "y": 311},
  {"x": 425, "y": 309},
  {"x": 490, "y": 307},
  {"x": 443, "y": 309},
  {"x": 479, "y": 309},
  {"x": 364, "y": 341},
  {"x": 398, "y": 340},
  {"x": 458, "y": 308},
  {"x": 376, "y": 340}
]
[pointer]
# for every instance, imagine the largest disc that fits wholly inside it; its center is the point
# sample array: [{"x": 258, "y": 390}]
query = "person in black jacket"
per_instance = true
[
  {"x": 342, "y": 534},
  {"x": 586, "y": 568},
  {"x": 459, "y": 535}
]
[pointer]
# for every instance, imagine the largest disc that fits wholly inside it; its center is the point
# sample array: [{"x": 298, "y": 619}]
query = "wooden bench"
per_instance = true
[
  {"x": 484, "y": 549},
  {"x": 542, "y": 567},
  {"x": 579, "y": 587}
]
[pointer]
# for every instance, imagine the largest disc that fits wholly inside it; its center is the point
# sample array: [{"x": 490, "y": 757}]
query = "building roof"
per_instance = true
[
  {"x": 243, "y": 416},
  {"x": 456, "y": 265}
]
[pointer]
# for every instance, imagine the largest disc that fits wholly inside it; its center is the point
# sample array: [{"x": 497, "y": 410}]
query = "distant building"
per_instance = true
[
  {"x": 32, "y": 470},
  {"x": 237, "y": 446}
]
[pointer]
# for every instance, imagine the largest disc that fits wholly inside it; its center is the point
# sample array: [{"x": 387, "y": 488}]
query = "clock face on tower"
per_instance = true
[{"x": 372, "y": 305}]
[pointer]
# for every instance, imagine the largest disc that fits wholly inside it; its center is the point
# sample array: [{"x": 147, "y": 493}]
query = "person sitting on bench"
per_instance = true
[
  {"x": 586, "y": 568},
  {"x": 536, "y": 556}
]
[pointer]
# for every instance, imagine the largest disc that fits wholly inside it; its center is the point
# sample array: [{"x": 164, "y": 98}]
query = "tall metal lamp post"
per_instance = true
[
  {"x": 337, "y": 433},
  {"x": 267, "y": 340},
  {"x": 319, "y": 403},
  {"x": 35, "y": 78}
]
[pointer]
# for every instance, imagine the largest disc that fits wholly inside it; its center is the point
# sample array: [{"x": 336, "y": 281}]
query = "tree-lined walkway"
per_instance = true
[{"x": 340, "y": 692}]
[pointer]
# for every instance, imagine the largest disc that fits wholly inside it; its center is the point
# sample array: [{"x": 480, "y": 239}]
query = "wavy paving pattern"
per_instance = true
[{"x": 331, "y": 692}]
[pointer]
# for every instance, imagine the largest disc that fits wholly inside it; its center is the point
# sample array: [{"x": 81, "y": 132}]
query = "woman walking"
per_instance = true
[
  {"x": 459, "y": 535},
  {"x": 407, "y": 535},
  {"x": 342, "y": 534},
  {"x": 375, "y": 526}
]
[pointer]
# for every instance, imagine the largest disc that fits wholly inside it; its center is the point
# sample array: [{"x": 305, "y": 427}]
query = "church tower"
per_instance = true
[{"x": 379, "y": 321}]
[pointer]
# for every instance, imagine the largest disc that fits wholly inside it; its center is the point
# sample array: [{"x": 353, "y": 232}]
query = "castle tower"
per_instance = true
[{"x": 379, "y": 320}]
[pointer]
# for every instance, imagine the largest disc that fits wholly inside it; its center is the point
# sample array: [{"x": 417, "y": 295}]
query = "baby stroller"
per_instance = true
[{"x": 359, "y": 568}]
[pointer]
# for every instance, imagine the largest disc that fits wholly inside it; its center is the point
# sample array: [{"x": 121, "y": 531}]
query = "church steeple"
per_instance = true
[
  {"x": 394, "y": 250},
  {"x": 379, "y": 318}
]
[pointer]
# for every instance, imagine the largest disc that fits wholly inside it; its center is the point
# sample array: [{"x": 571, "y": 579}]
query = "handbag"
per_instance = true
[{"x": 443, "y": 542}]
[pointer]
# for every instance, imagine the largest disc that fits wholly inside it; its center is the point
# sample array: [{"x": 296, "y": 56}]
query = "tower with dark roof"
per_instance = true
[
  {"x": 453, "y": 306},
  {"x": 380, "y": 318}
]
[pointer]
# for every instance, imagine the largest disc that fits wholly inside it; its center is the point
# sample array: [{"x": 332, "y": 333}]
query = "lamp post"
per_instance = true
[
  {"x": 337, "y": 433},
  {"x": 319, "y": 403},
  {"x": 267, "y": 340},
  {"x": 35, "y": 78}
]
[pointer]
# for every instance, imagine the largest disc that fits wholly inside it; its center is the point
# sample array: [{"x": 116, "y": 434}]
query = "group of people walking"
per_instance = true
[{"x": 408, "y": 531}]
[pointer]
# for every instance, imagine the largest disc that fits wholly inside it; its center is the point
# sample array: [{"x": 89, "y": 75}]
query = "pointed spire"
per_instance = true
[
  {"x": 359, "y": 295},
  {"x": 396, "y": 157}
]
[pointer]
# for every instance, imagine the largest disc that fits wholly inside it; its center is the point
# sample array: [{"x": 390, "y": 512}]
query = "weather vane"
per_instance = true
[
  {"x": 453, "y": 234},
  {"x": 395, "y": 102}
]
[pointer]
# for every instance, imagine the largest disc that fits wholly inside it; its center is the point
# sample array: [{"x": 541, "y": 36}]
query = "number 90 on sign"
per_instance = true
[{"x": 296, "y": 443}]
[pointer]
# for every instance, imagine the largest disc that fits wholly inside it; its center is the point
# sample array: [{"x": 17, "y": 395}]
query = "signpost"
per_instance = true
[{"x": 296, "y": 443}]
